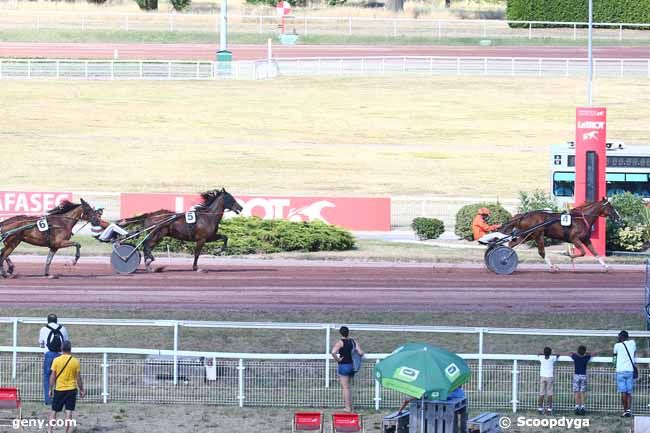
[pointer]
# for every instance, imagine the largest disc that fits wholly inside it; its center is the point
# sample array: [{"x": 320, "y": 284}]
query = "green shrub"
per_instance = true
[
  {"x": 427, "y": 228},
  {"x": 536, "y": 200},
  {"x": 605, "y": 11},
  {"x": 252, "y": 235},
  {"x": 467, "y": 213},
  {"x": 273, "y": 3},
  {"x": 180, "y": 5},
  {"x": 635, "y": 216},
  {"x": 147, "y": 5}
]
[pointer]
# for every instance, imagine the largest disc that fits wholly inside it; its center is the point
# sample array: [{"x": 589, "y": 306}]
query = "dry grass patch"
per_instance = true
[{"x": 378, "y": 136}]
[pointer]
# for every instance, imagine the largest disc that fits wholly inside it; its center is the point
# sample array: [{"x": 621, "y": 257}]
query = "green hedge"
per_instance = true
[
  {"x": 427, "y": 228},
  {"x": 251, "y": 235},
  {"x": 605, "y": 11},
  {"x": 632, "y": 231},
  {"x": 467, "y": 213}
]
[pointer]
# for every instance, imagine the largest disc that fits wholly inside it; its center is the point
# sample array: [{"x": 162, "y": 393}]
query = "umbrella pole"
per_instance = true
[{"x": 422, "y": 416}]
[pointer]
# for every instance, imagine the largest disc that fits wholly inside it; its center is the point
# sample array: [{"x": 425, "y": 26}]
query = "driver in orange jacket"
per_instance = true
[{"x": 480, "y": 227}]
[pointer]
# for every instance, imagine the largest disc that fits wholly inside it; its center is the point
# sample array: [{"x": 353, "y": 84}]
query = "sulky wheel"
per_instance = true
[
  {"x": 125, "y": 259},
  {"x": 502, "y": 260}
]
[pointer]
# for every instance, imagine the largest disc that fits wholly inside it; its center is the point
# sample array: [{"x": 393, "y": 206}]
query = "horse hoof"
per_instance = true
[
  {"x": 53, "y": 277},
  {"x": 160, "y": 269},
  {"x": 201, "y": 271}
]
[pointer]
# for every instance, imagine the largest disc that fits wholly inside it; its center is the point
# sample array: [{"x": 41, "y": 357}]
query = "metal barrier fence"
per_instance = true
[
  {"x": 62, "y": 69},
  {"x": 472, "y": 66},
  {"x": 508, "y": 382},
  {"x": 315, "y": 25}
]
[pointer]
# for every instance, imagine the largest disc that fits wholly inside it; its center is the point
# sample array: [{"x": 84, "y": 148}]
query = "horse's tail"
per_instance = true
[{"x": 136, "y": 221}]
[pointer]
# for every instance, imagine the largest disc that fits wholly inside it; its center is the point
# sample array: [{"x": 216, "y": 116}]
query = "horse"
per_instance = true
[
  {"x": 577, "y": 233},
  {"x": 60, "y": 221},
  {"x": 164, "y": 222}
]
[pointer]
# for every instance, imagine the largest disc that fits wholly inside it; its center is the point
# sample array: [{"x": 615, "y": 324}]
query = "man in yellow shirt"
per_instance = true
[{"x": 65, "y": 380}]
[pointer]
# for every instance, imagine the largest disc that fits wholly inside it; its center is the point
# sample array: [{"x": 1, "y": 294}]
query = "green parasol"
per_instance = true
[{"x": 422, "y": 371}]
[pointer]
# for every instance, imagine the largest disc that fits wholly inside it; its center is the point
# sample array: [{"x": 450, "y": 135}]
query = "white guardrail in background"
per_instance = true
[
  {"x": 317, "y": 25},
  {"x": 320, "y": 375},
  {"x": 65, "y": 69}
]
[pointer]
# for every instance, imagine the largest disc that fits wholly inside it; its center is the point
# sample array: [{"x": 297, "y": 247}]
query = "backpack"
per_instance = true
[
  {"x": 54, "y": 339},
  {"x": 357, "y": 359}
]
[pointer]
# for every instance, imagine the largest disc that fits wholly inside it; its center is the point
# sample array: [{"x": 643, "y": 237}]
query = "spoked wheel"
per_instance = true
[
  {"x": 125, "y": 259},
  {"x": 502, "y": 260}
]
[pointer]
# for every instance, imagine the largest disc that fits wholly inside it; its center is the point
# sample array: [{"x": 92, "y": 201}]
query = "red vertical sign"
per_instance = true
[{"x": 591, "y": 138}]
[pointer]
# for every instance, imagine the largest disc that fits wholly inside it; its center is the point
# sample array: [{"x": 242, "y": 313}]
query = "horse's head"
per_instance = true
[
  {"x": 89, "y": 214},
  {"x": 608, "y": 210},
  {"x": 230, "y": 203}
]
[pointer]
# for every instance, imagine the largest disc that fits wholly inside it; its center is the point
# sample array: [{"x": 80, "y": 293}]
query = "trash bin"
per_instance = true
[{"x": 224, "y": 62}]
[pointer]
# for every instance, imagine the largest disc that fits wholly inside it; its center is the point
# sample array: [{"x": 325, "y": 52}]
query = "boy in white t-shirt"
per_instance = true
[{"x": 546, "y": 367}]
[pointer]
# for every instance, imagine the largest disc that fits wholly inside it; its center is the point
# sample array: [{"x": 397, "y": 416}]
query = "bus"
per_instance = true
[{"x": 628, "y": 170}]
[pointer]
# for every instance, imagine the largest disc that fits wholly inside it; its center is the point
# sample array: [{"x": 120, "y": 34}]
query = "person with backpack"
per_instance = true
[
  {"x": 65, "y": 383},
  {"x": 348, "y": 354},
  {"x": 51, "y": 339}
]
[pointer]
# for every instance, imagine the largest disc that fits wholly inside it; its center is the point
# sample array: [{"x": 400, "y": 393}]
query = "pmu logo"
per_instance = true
[
  {"x": 407, "y": 374},
  {"x": 452, "y": 372}
]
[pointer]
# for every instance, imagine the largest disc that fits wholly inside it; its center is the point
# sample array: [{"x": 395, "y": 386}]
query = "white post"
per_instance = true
[
  {"x": 14, "y": 358},
  {"x": 484, "y": 29},
  {"x": 530, "y": 30},
  {"x": 175, "y": 353},
  {"x": 223, "y": 26},
  {"x": 575, "y": 31},
  {"x": 349, "y": 25},
  {"x": 567, "y": 68},
  {"x": 590, "y": 54},
  {"x": 240, "y": 369},
  {"x": 620, "y": 33},
  {"x": 105, "y": 379},
  {"x": 480, "y": 359},
  {"x": 515, "y": 379},
  {"x": 377, "y": 391},
  {"x": 327, "y": 356}
]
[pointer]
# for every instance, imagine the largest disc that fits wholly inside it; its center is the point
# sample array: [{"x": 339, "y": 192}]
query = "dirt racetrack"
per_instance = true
[{"x": 275, "y": 285}]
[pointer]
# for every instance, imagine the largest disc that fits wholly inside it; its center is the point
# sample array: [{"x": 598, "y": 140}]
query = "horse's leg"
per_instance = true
[
  {"x": 593, "y": 251},
  {"x": 9, "y": 247},
  {"x": 48, "y": 262},
  {"x": 197, "y": 253},
  {"x": 10, "y": 264},
  {"x": 539, "y": 240},
  {"x": 149, "y": 245}
]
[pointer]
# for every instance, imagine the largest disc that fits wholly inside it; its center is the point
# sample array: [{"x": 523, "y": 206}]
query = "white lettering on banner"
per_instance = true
[
  {"x": 591, "y": 125},
  {"x": 273, "y": 207},
  {"x": 311, "y": 212},
  {"x": 29, "y": 203}
]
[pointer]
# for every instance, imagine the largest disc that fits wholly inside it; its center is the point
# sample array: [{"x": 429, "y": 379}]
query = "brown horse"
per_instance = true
[
  {"x": 60, "y": 221},
  {"x": 163, "y": 223},
  {"x": 577, "y": 233}
]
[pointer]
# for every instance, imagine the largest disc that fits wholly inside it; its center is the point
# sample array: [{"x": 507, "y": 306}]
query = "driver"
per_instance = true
[
  {"x": 481, "y": 229},
  {"x": 109, "y": 232}
]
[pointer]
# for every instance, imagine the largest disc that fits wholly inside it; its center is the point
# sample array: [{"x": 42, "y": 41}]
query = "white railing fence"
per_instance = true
[
  {"x": 67, "y": 69},
  {"x": 507, "y": 383},
  {"x": 175, "y": 353},
  {"x": 317, "y": 25}
]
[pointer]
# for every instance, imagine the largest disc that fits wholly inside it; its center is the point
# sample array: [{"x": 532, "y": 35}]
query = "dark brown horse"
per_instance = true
[
  {"x": 578, "y": 232},
  {"x": 60, "y": 222},
  {"x": 163, "y": 223}
]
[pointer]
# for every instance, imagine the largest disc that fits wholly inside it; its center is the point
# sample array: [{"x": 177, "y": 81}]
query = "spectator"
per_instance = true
[
  {"x": 547, "y": 363},
  {"x": 342, "y": 354},
  {"x": 624, "y": 352},
  {"x": 50, "y": 339},
  {"x": 580, "y": 361},
  {"x": 65, "y": 381}
]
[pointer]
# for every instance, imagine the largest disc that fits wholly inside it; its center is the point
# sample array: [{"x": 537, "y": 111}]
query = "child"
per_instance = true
[
  {"x": 547, "y": 362},
  {"x": 580, "y": 361}
]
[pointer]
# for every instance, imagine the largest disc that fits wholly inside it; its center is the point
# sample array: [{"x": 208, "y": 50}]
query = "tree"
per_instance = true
[{"x": 447, "y": 3}]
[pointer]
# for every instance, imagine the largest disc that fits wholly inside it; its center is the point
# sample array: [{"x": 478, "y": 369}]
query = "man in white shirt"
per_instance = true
[
  {"x": 50, "y": 339},
  {"x": 624, "y": 352}
]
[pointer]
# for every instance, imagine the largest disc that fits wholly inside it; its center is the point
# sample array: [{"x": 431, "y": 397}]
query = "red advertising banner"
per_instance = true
[
  {"x": 29, "y": 203},
  {"x": 591, "y": 164},
  {"x": 354, "y": 213}
]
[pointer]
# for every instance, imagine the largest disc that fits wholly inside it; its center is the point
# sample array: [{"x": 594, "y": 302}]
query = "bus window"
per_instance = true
[
  {"x": 636, "y": 183},
  {"x": 563, "y": 184}
]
